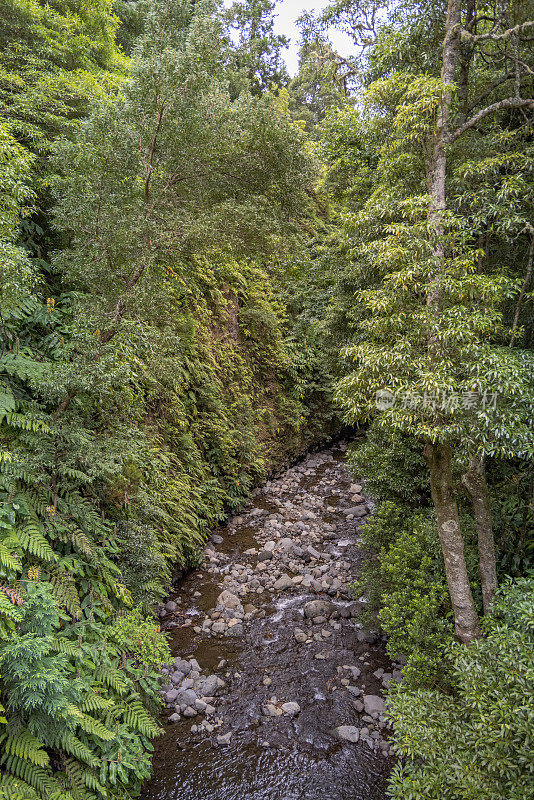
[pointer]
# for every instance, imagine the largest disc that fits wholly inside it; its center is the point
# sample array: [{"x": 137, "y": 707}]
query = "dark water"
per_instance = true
[{"x": 279, "y": 758}]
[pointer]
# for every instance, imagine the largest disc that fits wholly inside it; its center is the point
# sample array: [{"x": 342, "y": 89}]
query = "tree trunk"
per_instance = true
[
  {"x": 476, "y": 485},
  {"x": 438, "y": 455},
  {"x": 466, "y": 623}
]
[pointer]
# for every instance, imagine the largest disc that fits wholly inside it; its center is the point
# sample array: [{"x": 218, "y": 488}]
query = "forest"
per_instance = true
[{"x": 209, "y": 268}]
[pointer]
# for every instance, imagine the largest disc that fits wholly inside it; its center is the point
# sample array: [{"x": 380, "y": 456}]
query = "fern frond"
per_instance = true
[
  {"x": 95, "y": 727},
  {"x": 111, "y": 677},
  {"x": 74, "y": 747},
  {"x": 36, "y": 776},
  {"x": 24, "y": 746},
  {"x": 12, "y": 788},
  {"x": 8, "y": 561},
  {"x": 137, "y": 717},
  {"x": 95, "y": 702},
  {"x": 35, "y": 543}
]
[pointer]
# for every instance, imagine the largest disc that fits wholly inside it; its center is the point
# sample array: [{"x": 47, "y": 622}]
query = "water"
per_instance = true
[{"x": 280, "y": 758}]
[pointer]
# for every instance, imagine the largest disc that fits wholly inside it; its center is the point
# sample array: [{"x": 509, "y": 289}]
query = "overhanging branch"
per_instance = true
[{"x": 509, "y": 102}]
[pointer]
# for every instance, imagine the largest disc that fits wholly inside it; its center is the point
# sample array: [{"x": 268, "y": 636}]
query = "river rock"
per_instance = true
[
  {"x": 227, "y": 599},
  {"x": 265, "y": 555},
  {"x": 186, "y": 697},
  {"x": 373, "y": 704},
  {"x": 176, "y": 717},
  {"x": 318, "y": 608},
  {"x": 283, "y": 582},
  {"x": 347, "y": 733},
  {"x": 300, "y": 635},
  {"x": 218, "y": 627},
  {"x": 211, "y": 684},
  {"x": 291, "y": 708},
  {"x": 183, "y": 665},
  {"x": 171, "y": 696}
]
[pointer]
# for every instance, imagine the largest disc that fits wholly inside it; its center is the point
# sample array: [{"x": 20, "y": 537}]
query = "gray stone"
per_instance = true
[
  {"x": 300, "y": 635},
  {"x": 318, "y": 608},
  {"x": 291, "y": 708},
  {"x": 183, "y": 665},
  {"x": 229, "y": 600},
  {"x": 170, "y": 605},
  {"x": 265, "y": 555},
  {"x": 373, "y": 704},
  {"x": 186, "y": 697},
  {"x": 224, "y": 738},
  {"x": 218, "y": 627},
  {"x": 283, "y": 582},
  {"x": 190, "y": 712},
  {"x": 347, "y": 733},
  {"x": 174, "y": 718},
  {"x": 211, "y": 685},
  {"x": 171, "y": 696}
]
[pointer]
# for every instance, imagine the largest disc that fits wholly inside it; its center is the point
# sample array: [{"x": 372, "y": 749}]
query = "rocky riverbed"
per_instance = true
[{"x": 275, "y": 692}]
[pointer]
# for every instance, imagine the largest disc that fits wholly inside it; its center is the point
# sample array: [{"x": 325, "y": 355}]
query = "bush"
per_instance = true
[
  {"x": 393, "y": 466},
  {"x": 475, "y": 743},
  {"x": 407, "y": 592}
]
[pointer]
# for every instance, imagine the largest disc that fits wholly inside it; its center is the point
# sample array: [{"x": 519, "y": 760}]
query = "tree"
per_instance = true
[
  {"x": 431, "y": 331},
  {"x": 257, "y": 53}
]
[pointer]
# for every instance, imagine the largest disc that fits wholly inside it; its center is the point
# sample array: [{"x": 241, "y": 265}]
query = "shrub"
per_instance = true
[
  {"x": 476, "y": 742},
  {"x": 407, "y": 593},
  {"x": 393, "y": 466}
]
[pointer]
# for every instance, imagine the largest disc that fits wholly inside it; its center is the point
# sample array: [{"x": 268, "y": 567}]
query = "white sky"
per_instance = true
[{"x": 288, "y": 11}]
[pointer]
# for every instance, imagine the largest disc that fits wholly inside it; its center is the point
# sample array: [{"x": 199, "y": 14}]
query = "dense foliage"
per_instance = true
[
  {"x": 149, "y": 373},
  {"x": 188, "y": 240}
]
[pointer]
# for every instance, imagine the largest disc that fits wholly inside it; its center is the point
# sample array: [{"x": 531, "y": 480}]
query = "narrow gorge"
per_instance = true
[{"x": 275, "y": 692}]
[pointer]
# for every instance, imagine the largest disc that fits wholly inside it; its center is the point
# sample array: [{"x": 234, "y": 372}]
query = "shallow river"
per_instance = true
[{"x": 250, "y": 748}]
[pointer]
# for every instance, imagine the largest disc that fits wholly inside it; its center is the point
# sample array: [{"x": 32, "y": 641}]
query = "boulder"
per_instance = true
[
  {"x": 291, "y": 708},
  {"x": 373, "y": 704},
  {"x": 186, "y": 697},
  {"x": 211, "y": 684},
  {"x": 283, "y": 582},
  {"x": 183, "y": 665},
  {"x": 171, "y": 696},
  {"x": 299, "y": 635},
  {"x": 318, "y": 608},
  {"x": 347, "y": 733},
  {"x": 227, "y": 599}
]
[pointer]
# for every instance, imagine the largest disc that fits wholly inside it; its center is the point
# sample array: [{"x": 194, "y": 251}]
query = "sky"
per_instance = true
[{"x": 288, "y": 11}]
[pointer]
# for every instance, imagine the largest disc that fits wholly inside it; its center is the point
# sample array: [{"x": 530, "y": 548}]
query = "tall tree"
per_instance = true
[
  {"x": 257, "y": 51},
  {"x": 432, "y": 332}
]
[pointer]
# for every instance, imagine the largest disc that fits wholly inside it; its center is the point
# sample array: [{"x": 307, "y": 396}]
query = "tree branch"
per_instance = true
[
  {"x": 509, "y": 102},
  {"x": 495, "y": 37}
]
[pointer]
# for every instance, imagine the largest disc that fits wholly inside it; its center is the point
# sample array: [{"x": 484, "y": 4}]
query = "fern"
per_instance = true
[
  {"x": 95, "y": 727},
  {"x": 36, "y": 776},
  {"x": 8, "y": 561},
  {"x": 75, "y": 747},
  {"x": 109, "y": 676},
  {"x": 33, "y": 541},
  {"x": 95, "y": 702},
  {"x": 137, "y": 717},
  {"x": 24, "y": 746}
]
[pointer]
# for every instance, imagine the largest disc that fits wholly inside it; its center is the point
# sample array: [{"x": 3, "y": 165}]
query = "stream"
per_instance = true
[{"x": 276, "y": 691}]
